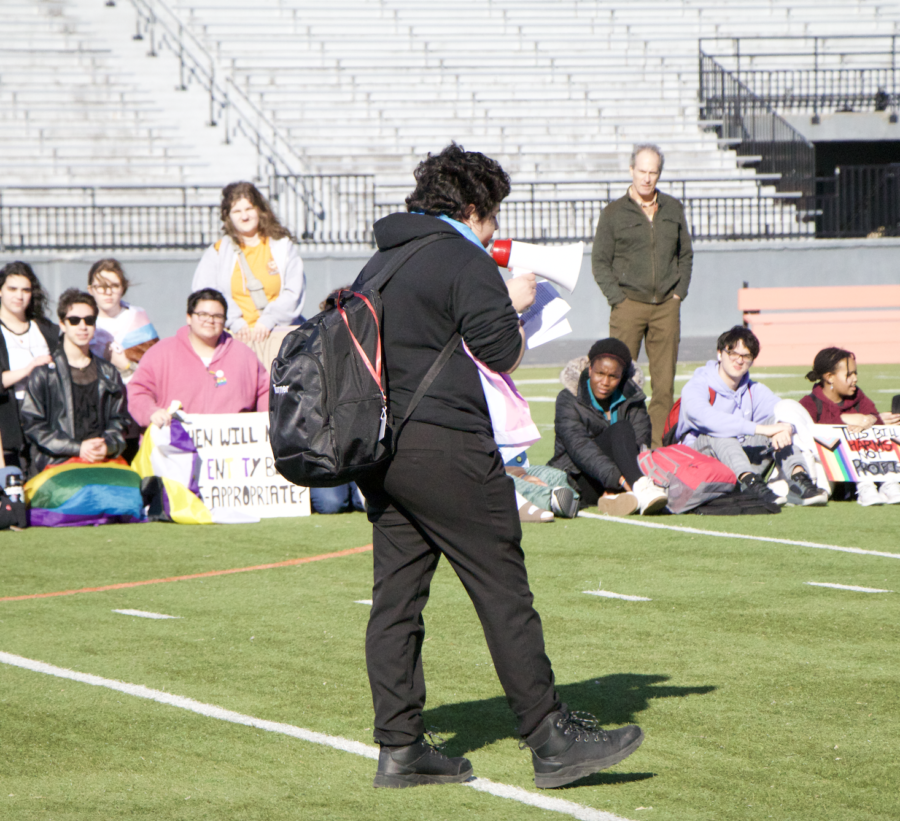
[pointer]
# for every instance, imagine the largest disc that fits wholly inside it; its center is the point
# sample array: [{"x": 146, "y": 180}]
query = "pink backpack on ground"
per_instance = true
[{"x": 691, "y": 477}]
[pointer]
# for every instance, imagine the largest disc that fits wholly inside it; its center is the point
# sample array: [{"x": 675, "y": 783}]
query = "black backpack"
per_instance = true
[{"x": 329, "y": 417}]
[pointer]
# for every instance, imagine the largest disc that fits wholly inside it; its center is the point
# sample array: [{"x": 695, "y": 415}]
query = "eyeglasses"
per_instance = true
[
  {"x": 75, "y": 321},
  {"x": 739, "y": 357},
  {"x": 106, "y": 289},
  {"x": 205, "y": 317}
]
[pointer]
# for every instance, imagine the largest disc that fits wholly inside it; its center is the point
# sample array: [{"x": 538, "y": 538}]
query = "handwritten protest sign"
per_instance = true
[
  {"x": 848, "y": 457},
  {"x": 237, "y": 469}
]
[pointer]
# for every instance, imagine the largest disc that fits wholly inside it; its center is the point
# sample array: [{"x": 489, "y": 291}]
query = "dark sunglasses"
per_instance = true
[{"x": 90, "y": 321}]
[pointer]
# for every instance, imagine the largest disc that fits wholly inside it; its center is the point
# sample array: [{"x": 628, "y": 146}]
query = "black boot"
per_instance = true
[
  {"x": 419, "y": 763},
  {"x": 568, "y": 746}
]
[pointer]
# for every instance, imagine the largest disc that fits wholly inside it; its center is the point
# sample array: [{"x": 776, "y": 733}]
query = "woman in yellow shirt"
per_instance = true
[{"x": 255, "y": 265}]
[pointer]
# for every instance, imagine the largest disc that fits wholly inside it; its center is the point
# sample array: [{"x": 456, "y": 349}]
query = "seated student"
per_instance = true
[
  {"x": 599, "y": 434},
  {"x": 202, "y": 367},
  {"x": 725, "y": 414},
  {"x": 75, "y": 405},
  {"x": 836, "y": 400}
]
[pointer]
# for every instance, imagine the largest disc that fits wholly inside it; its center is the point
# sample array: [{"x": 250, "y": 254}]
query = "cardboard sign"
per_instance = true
[
  {"x": 848, "y": 457},
  {"x": 237, "y": 468}
]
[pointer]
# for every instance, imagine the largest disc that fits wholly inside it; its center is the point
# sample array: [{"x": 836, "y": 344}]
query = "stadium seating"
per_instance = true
[{"x": 556, "y": 90}]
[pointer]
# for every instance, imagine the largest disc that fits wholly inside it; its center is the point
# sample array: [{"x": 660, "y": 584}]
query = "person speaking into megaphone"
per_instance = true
[
  {"x": 445, "y": 492},
  {"x": 642, "y": 259}
]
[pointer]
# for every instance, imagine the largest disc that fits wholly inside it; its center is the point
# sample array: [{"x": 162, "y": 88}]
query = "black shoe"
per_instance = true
[
  {"x": 563, "y": 502},
  {"x": 756, "y": 489},
  {"x": 568, "y": 746},
  {"x": 802, "y": 490},
  {"x": 419, "y": 763}
]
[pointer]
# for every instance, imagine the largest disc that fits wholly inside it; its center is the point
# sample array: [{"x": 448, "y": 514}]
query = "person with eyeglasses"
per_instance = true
[
  {"x": 75, "y": 405},
  {"x": 124, "y": 331},
  {"x": 740, "y": 422},
  {"x": 203, "y": 367}
]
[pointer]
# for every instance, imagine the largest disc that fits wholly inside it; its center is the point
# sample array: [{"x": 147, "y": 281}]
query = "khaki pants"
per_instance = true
[
  {"x": 659, "y": 326},
  {"x": 267, "y": 350}
]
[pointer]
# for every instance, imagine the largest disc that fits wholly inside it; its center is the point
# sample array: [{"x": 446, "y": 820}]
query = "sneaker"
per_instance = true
[
  {"x": 419, "y": 763},
  {"x": 531, "y": 513},
  {"x": 804, "y": 491},
  {"x": 753, "y": 486},
  {"x": 617, "y": 504},
  {"x": 867, "y": 494},
  {"x": 568, "y": 746},
  {"x": 890, "y": 493},
  {"x": 651, "y": 498},
  {"x": 563, "y": 502}
]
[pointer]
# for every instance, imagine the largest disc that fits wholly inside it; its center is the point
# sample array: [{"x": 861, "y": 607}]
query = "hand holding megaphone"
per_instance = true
[
  {"x": 522, "y": 290},
  {"x": 561, "y": 264}
]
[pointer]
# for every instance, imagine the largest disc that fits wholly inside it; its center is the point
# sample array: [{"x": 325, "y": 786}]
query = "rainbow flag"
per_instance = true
[{"x": 77, "y": 493}]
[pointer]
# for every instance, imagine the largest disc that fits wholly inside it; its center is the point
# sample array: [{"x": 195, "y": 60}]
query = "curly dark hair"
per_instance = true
[
  {"x": 37, "y": 308},
  {"x": 269, "y": 226},
  {"x": 449, "y": 182},
  {"x": 826, "y": 361},
  {"x": 728, "y": 341}
]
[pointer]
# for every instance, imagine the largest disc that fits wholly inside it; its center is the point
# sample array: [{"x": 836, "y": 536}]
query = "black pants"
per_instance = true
[
  {"x": 446, "y": 493},
  {"x": 619, "y": 443}
]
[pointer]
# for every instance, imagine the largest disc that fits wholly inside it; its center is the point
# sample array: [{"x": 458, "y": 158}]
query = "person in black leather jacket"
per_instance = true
[
  {"x": 76, "y": 405},
  {"x": 600, "y": 432}
]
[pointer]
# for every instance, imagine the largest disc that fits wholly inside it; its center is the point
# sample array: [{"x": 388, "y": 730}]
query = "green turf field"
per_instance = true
[{"x": 761, "y": 696}]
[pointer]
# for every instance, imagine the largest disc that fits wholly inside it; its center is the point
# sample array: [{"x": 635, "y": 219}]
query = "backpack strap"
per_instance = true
[
  {"x": 436, "y": 367},
  {"x": 400, "y": 259}
]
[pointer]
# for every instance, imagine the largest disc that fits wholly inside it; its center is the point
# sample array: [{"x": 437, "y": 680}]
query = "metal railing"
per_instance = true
[
  {"x": 187, "y": 217},
  {"x": 813, "y": 74},
  {"x": 859, "y": 201},
  {"x": 74, "y": 218},
  {"x": 755, "y": 129}
]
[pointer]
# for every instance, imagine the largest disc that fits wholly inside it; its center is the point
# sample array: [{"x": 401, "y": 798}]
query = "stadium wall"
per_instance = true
[{"x": 161, "y": 283}]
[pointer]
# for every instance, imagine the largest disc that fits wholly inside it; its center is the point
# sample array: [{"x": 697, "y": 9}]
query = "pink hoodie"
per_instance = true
[{"x": 235, "y": 380}]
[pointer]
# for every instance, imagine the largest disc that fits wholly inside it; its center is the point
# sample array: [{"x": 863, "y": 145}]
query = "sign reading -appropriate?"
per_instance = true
[{"x": 237, "y": 469}]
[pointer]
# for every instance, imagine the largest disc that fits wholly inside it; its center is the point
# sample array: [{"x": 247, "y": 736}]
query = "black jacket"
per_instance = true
[
  {"x": 48, "y": 412},
  {"x": 10, "y": 429},
  {"x": 578, "y": 424},
  {"x": 448, "y": 286}
]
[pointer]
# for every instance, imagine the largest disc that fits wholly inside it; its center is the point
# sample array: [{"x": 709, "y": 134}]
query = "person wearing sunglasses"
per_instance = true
[
  {"x": 725, "y": 414},
  {"x": 202, "y": 367},
  {"x": 74, "y": 406}
]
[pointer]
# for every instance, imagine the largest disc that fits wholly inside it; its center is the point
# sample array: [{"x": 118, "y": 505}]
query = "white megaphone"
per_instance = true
[{"x": 558, "y": 263}]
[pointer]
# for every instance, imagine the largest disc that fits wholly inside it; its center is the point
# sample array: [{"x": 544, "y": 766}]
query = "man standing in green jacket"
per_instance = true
[{"x": 642, "y": 260}]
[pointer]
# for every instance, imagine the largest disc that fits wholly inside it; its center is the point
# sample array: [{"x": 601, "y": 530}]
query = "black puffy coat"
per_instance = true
[
  {"x": 10, "y": 428},
  {"x": 48, "y": 412},
  {"x": 578, "y": 424}
]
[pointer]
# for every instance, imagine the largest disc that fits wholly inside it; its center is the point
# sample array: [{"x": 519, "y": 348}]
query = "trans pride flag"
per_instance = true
[{"x": 79, "y": 493}]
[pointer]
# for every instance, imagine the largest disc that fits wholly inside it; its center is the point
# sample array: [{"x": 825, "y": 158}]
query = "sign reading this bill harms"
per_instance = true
[
  {"x": 848, "y": 457},
  {"x": 237, "y": 469}
]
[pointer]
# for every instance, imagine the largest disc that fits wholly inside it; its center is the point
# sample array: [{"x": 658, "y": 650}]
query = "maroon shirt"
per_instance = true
[{"x": 831, "y": 411}]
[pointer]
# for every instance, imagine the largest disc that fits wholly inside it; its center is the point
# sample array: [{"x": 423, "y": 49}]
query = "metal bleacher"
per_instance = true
[{"x": 557, "y": 90}]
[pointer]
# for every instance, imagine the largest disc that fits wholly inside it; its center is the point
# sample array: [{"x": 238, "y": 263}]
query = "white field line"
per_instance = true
[
  {"x": 544, "y": 802},
  {"x": 539, "y": 398},
  {"x": 144, "y": 614},
  {"x": 683, "y": 377},
  {"x": 888, "y": 390},
  {"x": 607, "y": 595},
  {"x": 363, "y": 601},
  {"x": 538, "y": 382},
  {"x": 697, "y": 531},
  {"x": 849, "y": 587}
]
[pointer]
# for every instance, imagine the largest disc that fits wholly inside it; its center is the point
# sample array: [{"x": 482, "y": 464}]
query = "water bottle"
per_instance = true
[{"x": 14, "y": 487}]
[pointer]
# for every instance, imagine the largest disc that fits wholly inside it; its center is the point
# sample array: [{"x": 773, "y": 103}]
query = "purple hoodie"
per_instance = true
[{"x": 734, "y": 414}]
